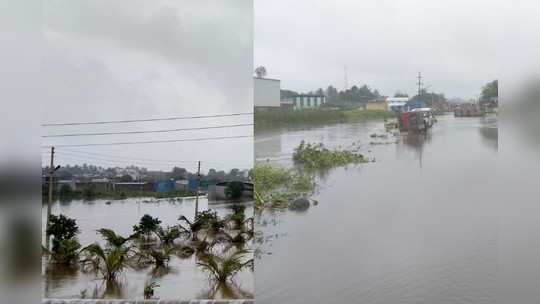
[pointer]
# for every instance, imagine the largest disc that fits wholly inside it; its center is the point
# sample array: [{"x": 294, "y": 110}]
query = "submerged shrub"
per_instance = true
[
  {"x": 65, "y": 246},
  {"x": 234, "y": 190},
  {"x": 66, "y": 251},
  {"x": 147, "y": 225},
  {"x": 276, "y": 186},
  {"x": 223, "y": 268},
  {"x": 65, "y": 191},
  {"x": 109, "y": 261},
  {"x": 317, "y": 156},
  {"x": 149, "y": 290}
]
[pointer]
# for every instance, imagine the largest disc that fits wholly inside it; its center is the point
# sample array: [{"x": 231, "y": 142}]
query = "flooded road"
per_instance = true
[
  {"x": 415, "y": 226},
  {"x": 183, "y": 280}
]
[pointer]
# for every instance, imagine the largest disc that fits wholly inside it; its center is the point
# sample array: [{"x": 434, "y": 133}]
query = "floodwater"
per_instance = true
[
  {"x": 181, "y": 281},
  {"x": 415, "y": 226}
]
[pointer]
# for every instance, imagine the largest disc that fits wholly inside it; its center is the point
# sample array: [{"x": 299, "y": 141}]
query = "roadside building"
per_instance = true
[
  {"x": 101, "y": 184},
  {"x": 217, "y": 192},
  {"x": 304, "y": 101},
  {"x": 397, "y": 104},
  {"x": 287, "y": 105},
  {"x": 97, "y": 184},
  {"x": 182, "y": 184},
  {"x": 129, "y": 186},
  {"x": 414, "y": 104},
  {"x": 165, "y": 186},
  {"x": 59, "y": 183},
  {"x": 377, "y": 104},
  {"x": 266, "y": 94}
]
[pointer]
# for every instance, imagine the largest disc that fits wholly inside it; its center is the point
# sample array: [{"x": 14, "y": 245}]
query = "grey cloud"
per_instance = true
[
  {"x": 110, "y": 60},
  {"x": 382, "y": 43}
]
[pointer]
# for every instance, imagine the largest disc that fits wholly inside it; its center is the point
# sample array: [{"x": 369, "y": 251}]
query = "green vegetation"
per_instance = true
[
  {"x": 357, "y": 95},
  {"x": 207, "y": 220},
  {"x": 149, "y": 290},
  {"x": 238, "y": 216},
  {"x": 307, "y": 117},
  {"x": 147, "y": 225},
  {"x": 234, "y": 190},
  {"x": 275, "y": 186},
  {"x": 65, "y": 246},
  {"x": 317, "y": 156},
  {"x": 220, "y": 252},
  {"x": 65, "y": 252},
  {"x": 89, "y": 193},
  {"x": 110, "y": 261},
  {"x": 490, "y": 91},
  {"x": 62, "y": 227},
  {"x": 223, "y": 268},
  {"x": 168, "y": 235},
  {"x": 113, "y": 239},
  {"x": 65, "y": 191}
]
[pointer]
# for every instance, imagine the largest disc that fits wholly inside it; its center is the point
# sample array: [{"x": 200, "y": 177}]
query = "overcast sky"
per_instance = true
[
  {"x": 384, "y": 43},
  {"x": 118, "y": 60}
]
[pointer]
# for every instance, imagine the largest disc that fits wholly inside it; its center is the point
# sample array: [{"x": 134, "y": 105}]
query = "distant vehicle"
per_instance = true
[
  {"x": 417, "y": 120},
  {"x": 469, "y": 110}
]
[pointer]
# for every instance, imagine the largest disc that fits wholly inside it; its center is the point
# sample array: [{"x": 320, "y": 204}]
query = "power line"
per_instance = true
[
  {"x": 83, "y": 157},
  {"x": 142, "y": 120},
  {"x": 164, "y": 164},
  {"x": 109, "y": 157},
  {"x": 119, "y": 162},
  {"x": 148, "y": 131},
  {"x": 150, "y": 141},
  {"x": 114, "y": 157}
]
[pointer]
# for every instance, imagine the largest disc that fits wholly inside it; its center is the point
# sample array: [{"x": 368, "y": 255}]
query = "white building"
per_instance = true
[
  {"x": 266, "y": 94},
  {"x": 303, "y": 102},
  {"x": 396, "y": 104}
]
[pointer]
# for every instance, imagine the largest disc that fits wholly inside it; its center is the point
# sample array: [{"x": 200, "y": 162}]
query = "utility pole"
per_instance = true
[
  {"x": 49, "y": 202},
  {"x": 419, "y": 82},
  {"x": 198, "y": 185},
  {"x": 345, "y": 79}
]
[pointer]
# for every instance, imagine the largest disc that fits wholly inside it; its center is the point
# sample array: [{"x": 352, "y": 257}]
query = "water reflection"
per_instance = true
[{"x": 416, "y": 143}]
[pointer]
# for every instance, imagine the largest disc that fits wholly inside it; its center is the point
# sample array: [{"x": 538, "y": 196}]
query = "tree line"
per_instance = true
[{"x": 80, "y": 171}]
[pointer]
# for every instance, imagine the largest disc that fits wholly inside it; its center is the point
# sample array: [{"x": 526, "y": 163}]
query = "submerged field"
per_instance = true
[{"x": 183, "y": 276}]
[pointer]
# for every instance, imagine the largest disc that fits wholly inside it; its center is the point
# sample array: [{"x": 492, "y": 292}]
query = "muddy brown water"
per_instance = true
[
  {"x": 415, "y": 226},
  {"x": 183, "y": 280}
]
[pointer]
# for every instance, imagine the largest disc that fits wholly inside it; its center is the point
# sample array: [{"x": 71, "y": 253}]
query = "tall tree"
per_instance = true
[
  {"x": 401, "y": 94},
  {"x": 490, "y": 92},
  {"x": 260, "y": 72}
]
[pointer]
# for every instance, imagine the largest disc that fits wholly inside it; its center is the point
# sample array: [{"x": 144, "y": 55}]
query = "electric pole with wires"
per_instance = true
[
  {"x": 52, "y": 169},
  {"x": 197, "y": 189}
]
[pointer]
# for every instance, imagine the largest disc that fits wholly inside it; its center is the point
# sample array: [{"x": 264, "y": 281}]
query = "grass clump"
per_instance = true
[
  {"x": 276, "y": 186},
  {"x": 317, "y": 156}
]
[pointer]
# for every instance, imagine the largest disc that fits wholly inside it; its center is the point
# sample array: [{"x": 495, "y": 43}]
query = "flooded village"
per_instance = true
[
  {"x": 391, "y": 197},
  {"x": 129, "y": 232},
  {"x": 146, "y": 152}
]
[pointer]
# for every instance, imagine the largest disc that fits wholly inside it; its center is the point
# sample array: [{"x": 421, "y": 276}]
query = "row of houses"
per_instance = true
[
  {"x": 394, "y": 104},
  {"x": 104, "y": 184},
  {"x": 267, "y": 97}
]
